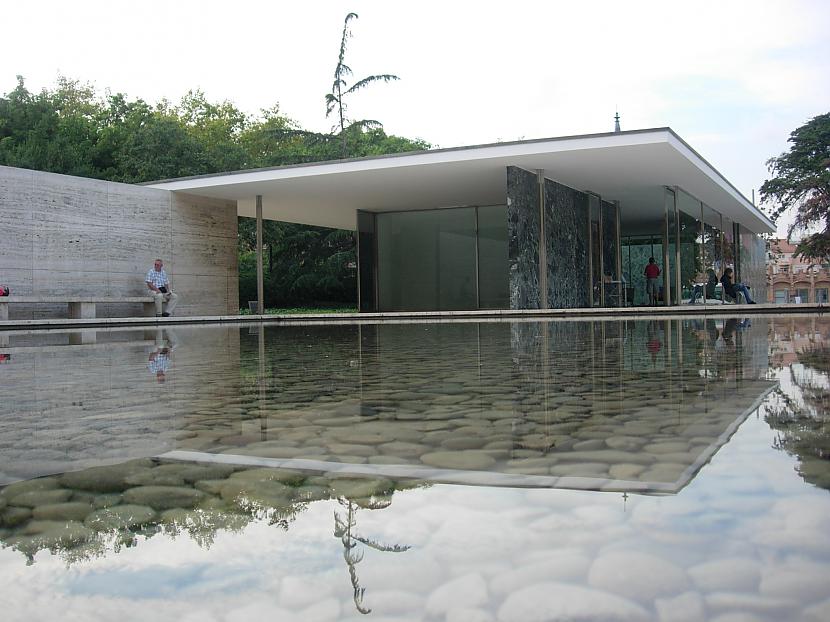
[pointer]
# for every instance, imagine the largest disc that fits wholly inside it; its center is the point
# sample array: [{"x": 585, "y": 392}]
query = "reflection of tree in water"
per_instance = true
[
  {"x": 801, "y": 415},
  {"x": 344, "y": 528},
  {"x": 83, "y": 515}
]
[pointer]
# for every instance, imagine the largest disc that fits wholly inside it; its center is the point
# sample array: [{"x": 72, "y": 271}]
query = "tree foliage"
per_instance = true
[
  {"x": 801, "y": 180},
  {"x": 799, "y": 415},
  {"x": 71, "y": 129},
  {"x": 340, "y": 89}
]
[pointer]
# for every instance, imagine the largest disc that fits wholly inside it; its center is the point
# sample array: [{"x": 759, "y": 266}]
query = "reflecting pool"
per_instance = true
[{"x": 671, "y": 469}]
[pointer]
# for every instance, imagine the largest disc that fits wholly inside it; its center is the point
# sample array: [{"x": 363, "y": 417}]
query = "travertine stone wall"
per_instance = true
[{"x": 71, "y": 235}]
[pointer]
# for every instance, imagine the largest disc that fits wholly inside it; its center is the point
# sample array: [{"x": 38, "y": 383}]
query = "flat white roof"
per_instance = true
[{"x": 631, "y": 167}]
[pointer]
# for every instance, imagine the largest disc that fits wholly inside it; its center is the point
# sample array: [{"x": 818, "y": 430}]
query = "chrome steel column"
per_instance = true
[
  {"x": 543, "y": 249},
  {"x": 260, "y": 287}
]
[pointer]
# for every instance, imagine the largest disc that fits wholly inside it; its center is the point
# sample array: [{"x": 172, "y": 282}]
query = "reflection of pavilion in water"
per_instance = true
[
  {"x": 618, "y": 405},
  {"x": 615, "y": 405},
  {"x": 630, "y": 406},
  {"x": 358, "y": 413}
]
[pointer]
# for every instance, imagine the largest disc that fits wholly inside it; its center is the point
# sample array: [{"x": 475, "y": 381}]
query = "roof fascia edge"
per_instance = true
[
  {"x": 436, "y": 156},
  {"x": 704, "y": 165}
]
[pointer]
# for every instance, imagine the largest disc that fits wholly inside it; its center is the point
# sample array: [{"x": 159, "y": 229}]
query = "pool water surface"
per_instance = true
[{"x": 671, "y": 469}]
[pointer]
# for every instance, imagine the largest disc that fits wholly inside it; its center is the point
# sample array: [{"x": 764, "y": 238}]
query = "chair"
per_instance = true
[
  {"x": 613, "y": 294},
  {"x": 727, "y": 299}
]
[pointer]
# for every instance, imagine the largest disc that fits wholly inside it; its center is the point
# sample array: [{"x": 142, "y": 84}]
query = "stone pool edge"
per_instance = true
[{"x": 428, "y": 316}]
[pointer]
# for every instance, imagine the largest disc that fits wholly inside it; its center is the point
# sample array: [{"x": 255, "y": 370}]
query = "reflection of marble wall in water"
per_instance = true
[
  {"x": 543, "y": 351},
  {"x": 67, "y": 407}
]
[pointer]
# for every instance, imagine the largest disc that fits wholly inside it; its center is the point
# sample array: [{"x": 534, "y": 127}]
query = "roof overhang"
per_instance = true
[{"x": 631, "y": 167}]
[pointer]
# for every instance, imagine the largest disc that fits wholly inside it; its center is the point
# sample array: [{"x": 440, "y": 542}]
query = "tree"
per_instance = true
[
  {"x": 801, "y": 179},
  {"x": 49, "y": 131},
  {"x": 335, "y": 99},
  {"x": 217, "y": 128},
  {"x": 70, "y": 129}
]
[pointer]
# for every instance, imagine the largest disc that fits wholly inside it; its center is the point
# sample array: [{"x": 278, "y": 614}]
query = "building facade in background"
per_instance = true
[{"x": 792, "y": 279}]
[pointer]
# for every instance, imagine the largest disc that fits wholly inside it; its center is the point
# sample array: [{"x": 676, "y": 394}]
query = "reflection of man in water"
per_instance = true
[
  {"x": 729, "y": 329},
  {"x": 159, "y": 361},
  {"x": 653, "y": 344}
]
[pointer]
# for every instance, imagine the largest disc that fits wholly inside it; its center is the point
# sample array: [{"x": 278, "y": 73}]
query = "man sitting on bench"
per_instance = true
[
  {"x": 159, "y": 286},
  {"x": 732, "y": 290}
]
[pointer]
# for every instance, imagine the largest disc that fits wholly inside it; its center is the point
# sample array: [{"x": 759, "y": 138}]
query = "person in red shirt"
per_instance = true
[{"x": 652, "y": 273}]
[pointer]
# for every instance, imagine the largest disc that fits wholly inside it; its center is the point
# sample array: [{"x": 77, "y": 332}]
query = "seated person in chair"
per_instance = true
[
  {"x": 732, "y": 290},
  {"x": 711, "y": 284}
]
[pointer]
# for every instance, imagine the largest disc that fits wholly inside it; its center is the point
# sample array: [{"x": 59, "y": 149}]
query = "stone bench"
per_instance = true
[{"x": 80, "y": 307}]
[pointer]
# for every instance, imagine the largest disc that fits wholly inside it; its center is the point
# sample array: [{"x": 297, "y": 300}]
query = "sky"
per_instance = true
[{"x": 732, "y": 78}]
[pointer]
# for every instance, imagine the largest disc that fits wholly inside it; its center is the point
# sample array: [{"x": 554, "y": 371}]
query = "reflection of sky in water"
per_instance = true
[
  {"x": 747, "y": 508},
  {"x": 745, "y": 536},
  {"x": 747, "y": 505}
]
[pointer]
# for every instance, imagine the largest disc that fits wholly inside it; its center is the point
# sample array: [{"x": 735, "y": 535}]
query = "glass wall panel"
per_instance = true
[
  {"x": 366, "y": 259},
  {"x": 412, "y": 246},
  {"x": 712, "y": 244},
  {"x": 635, "y": 253},
  {"x": 457, "y": 258},
  {"x": 691, "y": 264},
  {"x": 753, "y": 263},
  {"x": 692, "y": 268},
  {"x": 688, "y": 204},
  {"x": 729, "y": 259},
  {"x": 670, "y": 271},
  {"x": 492, "y": 257}
]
